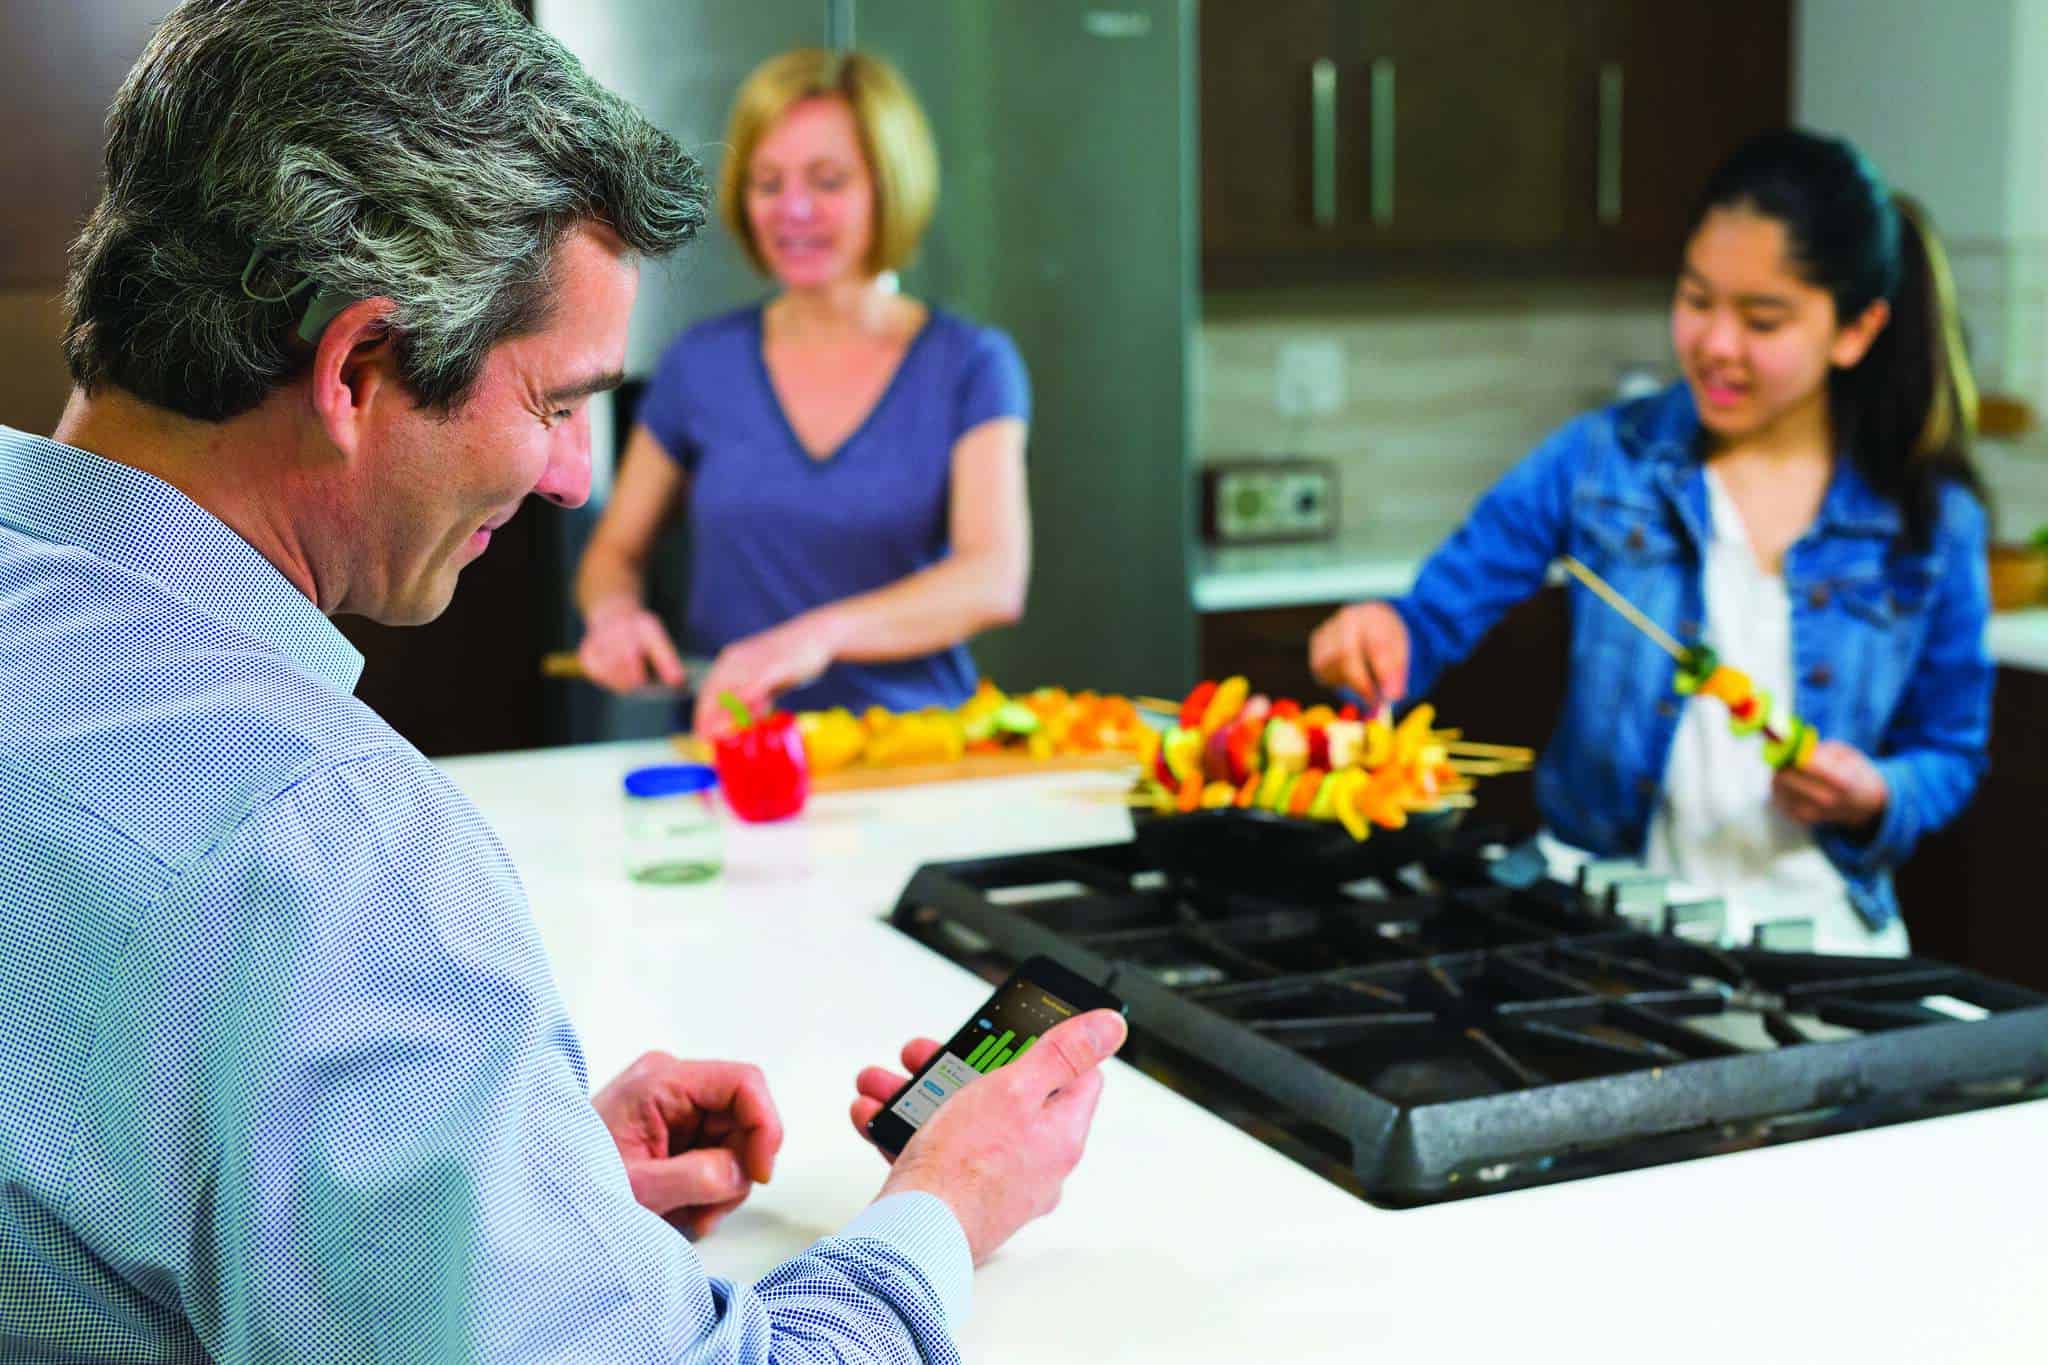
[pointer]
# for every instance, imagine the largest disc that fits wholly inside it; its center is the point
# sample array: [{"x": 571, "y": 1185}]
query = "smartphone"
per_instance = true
[{"x": 1038, "y": 995}]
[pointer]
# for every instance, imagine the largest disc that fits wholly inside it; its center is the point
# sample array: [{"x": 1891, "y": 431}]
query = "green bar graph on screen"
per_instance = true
[
  {"x": 983, "y": 1058},
  {"x": 992, "y": 1051}
]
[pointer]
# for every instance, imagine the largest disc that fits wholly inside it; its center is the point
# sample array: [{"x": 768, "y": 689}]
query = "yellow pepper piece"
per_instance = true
[
  {"x": 1349, "y": 784},
  {"x": 1731, "y": 685},
  {"x": 1228, "y": 701},
  {"x": 1379, "y": 744},
  {"x": 832, "y": 739},
  {"x": 1412, "y": 733}
]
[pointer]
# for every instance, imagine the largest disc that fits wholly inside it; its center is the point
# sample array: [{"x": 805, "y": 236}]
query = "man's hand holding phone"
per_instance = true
[{"x": 999, "y": 1149}]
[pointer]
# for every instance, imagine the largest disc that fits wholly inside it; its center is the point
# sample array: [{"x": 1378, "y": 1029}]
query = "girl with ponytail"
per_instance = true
[{"x": 1804, "y": 501}]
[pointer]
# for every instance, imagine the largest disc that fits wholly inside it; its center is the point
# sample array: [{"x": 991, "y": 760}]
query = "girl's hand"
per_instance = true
[
  {"x": 622, "y": 644},
  {"x": 1838, "y": 786},
  {"x": 762, "y": 667},
  {"x": 1364, "y": 648}
]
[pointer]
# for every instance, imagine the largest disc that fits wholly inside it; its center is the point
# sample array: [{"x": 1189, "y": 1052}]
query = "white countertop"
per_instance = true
[
  {"x": 1181, "y": 1239},
  {"x": 1347, "y": 569},
  {"x": 1352, "y": 569}
]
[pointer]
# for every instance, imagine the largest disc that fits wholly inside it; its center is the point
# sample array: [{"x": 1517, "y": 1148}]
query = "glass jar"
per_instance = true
[{"x": 672, "y": 830}]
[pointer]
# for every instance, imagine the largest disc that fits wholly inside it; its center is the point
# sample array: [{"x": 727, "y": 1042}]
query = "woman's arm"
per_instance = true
[
  {"x": 981, "y": 582},
  {"x": 622, "y": 639},
  {"x": 1496, "y": 558}
]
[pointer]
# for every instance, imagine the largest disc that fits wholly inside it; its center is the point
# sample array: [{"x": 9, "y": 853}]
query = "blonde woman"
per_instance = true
[{"x": 850, "y": 460}]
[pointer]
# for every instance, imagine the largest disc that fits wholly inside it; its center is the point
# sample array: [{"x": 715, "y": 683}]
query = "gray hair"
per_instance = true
[{"x": 431, "y": 152}]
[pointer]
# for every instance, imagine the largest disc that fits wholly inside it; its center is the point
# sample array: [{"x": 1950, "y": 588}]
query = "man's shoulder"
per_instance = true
[{"x": 160, "y": 721}]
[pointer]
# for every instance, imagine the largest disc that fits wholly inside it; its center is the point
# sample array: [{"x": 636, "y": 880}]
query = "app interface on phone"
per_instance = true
[{"x": 1003, "y": 1032}]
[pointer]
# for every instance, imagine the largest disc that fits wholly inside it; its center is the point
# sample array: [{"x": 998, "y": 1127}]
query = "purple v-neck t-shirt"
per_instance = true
[{"x": 774, "y": 532}]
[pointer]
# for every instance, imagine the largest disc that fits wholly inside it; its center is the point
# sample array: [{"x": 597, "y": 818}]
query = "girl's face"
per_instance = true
[
  {"x": 1755, "y": 340},
  {"x": 810, "y": 197}
]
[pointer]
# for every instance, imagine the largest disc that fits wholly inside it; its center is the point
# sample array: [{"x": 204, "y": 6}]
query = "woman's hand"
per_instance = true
[
  {"x": 1364, "y": 648},
  {"x": 696, "y": 1137},
  {"x": 763, "y": 666},
  {"x": 622, "y": 643},
  {"x": 1838, "y": 786}
]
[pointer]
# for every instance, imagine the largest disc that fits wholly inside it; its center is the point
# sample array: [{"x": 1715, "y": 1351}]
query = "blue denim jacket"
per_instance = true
[{"x": 1888, "y": 650}]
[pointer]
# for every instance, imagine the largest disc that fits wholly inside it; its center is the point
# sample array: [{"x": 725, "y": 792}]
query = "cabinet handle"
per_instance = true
[
  {"x": 1322, "y": 108},
  {"x": 1383, "y": 141},
  {"x": 1607, "y": 194}
]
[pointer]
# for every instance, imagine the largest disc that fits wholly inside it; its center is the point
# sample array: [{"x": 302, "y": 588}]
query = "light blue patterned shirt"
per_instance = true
[{"x": 284, "y": 1074}]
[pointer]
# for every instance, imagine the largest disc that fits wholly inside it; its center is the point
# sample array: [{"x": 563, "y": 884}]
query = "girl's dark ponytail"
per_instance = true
[
  {"x": 1907, "y": 413},
  {"x": 1914, "y": 395}
]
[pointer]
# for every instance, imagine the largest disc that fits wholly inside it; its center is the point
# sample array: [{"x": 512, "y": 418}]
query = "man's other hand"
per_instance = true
[{"x": 696, "y": 1137}]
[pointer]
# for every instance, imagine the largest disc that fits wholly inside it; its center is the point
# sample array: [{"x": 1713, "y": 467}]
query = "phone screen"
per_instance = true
[{"x": 1014, "y": 1019}]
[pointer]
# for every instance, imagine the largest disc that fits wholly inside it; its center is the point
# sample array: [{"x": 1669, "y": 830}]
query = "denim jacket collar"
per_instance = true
[{"x": 1663, "y": 431}]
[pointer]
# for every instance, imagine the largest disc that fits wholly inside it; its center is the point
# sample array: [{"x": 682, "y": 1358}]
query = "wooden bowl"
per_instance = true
[{"x": 2019, "y": 577}]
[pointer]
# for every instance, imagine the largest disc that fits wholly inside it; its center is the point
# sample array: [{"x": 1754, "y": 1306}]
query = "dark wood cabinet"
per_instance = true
[
  {"x": 1973, "y": 894},
  {"x": 1404, "y": 137},
  {"x": 1666, "y": 90}
]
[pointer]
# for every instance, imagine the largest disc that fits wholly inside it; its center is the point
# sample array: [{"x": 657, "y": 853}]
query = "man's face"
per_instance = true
[{"x": 432, "y": 490}]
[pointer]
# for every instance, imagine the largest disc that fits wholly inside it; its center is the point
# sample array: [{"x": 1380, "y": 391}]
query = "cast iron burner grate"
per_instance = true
[{"x": 1448, "y": 1035}]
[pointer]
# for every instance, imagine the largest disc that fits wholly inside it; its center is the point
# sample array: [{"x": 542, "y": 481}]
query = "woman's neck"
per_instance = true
[
  {"x": 861, "y": 307},
  {"x": 1799, "y": 435}
]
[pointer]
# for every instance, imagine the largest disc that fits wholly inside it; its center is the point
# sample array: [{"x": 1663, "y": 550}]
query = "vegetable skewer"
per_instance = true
[{"x": 1789, "y": 740}]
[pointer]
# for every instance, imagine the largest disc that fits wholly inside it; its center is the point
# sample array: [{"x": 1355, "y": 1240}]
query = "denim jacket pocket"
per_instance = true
[
  {"x": 1897, "y": 596},
  {"x": 1628, "y": 532}
]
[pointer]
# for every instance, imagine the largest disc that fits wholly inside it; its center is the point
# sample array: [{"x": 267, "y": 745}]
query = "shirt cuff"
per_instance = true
[{"x": 923, "y": 1228}]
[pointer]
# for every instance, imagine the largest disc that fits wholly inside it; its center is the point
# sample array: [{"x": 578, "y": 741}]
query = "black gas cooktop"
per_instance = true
[{"x": 1440, "y": 1033}]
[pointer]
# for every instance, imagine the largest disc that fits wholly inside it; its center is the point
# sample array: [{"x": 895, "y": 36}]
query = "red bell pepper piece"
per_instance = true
[
  {"x": 1285, "y": 709},
  {"x": 1319, "y": 748},
  {"x": 761, "y": 767},
  {"x": 1243, "y": 749},
  {"x": 1198, "y": 701},
  {"x": 1348, "y": 712}
]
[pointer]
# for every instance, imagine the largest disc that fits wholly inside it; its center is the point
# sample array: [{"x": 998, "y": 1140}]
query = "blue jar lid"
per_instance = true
[{"x": 670, "y": 779}]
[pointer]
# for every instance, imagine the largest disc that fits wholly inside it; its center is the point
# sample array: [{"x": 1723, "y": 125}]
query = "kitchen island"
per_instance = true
[{"x": 1181, "y": 1239}]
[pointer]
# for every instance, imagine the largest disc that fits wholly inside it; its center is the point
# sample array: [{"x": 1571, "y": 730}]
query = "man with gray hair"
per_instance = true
[{"x": 283, "y": 1073}]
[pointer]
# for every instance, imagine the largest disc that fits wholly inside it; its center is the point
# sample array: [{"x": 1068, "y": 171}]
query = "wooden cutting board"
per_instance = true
[{"x": 972, "y": 767}]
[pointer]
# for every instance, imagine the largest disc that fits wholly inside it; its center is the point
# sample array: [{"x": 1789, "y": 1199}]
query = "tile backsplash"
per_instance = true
[
  {"x": 1443, "y": 389},
  {"x": 1441, "y": 392}
]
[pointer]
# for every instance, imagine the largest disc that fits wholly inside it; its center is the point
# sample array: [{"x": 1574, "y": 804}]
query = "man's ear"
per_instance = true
[{"x": 355, "y": 368}]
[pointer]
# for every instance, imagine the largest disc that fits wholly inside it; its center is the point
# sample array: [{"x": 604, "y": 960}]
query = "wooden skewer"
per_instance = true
[
  {"x": 1171, "y": 708},
  {"x": 1628, "y": 610},
  {"x": 1513, "y": 753},
  {"x": 1481, "y": 767}
]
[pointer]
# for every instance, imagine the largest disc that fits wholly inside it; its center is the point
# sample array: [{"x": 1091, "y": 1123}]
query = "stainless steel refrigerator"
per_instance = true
[{"x": 1066, "y": 217}]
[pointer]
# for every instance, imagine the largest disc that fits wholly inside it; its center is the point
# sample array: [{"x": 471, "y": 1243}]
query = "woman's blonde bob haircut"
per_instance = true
[{"x": 902, "y": 160}]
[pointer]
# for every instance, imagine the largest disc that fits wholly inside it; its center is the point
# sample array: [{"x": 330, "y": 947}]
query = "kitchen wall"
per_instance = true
[
  {"x": 1442, "y": 387},
  {"x": 1974, "y": 76}
]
